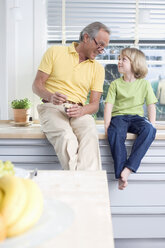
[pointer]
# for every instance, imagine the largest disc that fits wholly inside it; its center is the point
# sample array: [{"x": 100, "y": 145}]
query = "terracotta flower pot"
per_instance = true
[{"x": 21, "y": 115}]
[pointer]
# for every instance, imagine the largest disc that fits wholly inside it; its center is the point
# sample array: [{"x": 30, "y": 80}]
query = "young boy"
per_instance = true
[{"x": 124, "y": 113}]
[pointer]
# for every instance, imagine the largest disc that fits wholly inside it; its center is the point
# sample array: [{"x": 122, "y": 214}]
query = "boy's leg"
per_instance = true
[
  {"x": 117, "y": 133},
  {"x": 145, "y": 136}
]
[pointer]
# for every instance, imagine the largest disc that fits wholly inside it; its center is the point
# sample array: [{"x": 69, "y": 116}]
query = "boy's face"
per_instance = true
[{"x": 124, "y": 64}]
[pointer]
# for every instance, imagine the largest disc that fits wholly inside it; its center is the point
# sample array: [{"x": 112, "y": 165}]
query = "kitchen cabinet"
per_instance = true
[{"x": 138, "y": 212}]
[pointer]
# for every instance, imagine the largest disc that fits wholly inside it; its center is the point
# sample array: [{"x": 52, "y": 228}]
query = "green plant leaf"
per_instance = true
[{"x": 21, "y": 104}]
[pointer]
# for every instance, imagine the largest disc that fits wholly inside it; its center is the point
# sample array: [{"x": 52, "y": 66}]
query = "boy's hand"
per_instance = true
[{"x": 106, "y": 130}]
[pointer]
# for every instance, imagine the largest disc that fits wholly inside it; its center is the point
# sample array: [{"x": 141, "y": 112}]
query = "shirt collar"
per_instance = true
[{"x": 72, "y": 49}]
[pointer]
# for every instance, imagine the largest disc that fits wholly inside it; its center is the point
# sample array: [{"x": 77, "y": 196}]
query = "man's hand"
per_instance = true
[
  {"x": 75, "y": 111},
  {"x": 58, "y": 98}
]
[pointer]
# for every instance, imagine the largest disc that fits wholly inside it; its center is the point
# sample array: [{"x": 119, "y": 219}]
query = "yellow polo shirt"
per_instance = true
[{"x": 68, "y": 76}]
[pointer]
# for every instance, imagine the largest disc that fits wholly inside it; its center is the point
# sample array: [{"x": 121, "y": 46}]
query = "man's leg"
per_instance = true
[
  {"x": 56, "y": 126},
  {"x": 87, "y": 136}
]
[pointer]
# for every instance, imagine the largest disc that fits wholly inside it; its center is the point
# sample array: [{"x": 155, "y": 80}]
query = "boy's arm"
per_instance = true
[
  {"x": 107, "y": 115},
  {"x": 151, "y": 113}
]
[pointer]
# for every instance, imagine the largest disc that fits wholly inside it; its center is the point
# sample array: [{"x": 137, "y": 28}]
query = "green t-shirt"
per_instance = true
[{"x": 128, "y": 98}]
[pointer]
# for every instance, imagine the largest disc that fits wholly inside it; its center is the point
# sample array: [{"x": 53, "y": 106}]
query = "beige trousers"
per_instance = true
[{"x": 75, "y": 140}]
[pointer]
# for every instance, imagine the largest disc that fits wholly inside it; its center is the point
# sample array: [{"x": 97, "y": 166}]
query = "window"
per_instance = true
[{"x": 138, "y": 23}]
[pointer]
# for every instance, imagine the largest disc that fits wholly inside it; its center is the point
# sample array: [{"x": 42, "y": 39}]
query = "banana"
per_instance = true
[
  {"x": 14, "y": 198},
  {"x": 1, "y": 196},
  {"x": 32, "y": 211},
  {"x": 2, "y": 228}
]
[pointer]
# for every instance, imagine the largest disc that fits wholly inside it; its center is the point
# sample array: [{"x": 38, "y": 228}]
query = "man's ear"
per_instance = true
[{"x": 86, "y": 38}]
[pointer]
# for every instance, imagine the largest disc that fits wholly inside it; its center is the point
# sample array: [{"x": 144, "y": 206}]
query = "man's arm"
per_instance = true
[
  {"x": 39, "y": 89},
  {"x": 107, "y": 115},
  {"x": 91, "y": 108},
  {"x": 151, "y": 113}
]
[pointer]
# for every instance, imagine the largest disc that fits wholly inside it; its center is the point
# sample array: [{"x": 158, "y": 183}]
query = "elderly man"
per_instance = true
[{"x": 65, "y": 77}]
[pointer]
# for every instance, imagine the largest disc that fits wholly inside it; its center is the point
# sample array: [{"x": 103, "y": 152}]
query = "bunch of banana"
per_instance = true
[{"x": 21, "y": 205}]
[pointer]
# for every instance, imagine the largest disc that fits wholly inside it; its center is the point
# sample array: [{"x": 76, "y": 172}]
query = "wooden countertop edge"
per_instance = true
[
  {"x": 160, "y": 125},
  {"x": 42, "y": 136},
  {"x": 133, "y": 136},
  {"x": 22, "y": 136}
]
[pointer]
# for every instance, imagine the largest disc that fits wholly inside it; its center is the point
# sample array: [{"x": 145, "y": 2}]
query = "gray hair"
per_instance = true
[{"x": 92, "y": 30}]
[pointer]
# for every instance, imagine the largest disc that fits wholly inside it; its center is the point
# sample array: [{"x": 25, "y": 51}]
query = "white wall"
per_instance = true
[
  {"x": 24, "y": 42},
  {"x": 3, "y": 74}
]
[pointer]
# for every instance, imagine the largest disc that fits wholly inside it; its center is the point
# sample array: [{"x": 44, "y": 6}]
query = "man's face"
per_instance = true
[{"x": 96, "y": 46}]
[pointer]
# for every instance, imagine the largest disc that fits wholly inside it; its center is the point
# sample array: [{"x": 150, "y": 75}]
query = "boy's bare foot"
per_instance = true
[
  {"x": 123, "y": 180},
  {"x": 122, "y": 184}
]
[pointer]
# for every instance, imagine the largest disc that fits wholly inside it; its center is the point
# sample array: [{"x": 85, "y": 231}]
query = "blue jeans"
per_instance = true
[{"x": 117, "y": 133}]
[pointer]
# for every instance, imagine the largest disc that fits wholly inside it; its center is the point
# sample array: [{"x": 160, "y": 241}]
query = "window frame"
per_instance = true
[{"x": 135, "y": 42}]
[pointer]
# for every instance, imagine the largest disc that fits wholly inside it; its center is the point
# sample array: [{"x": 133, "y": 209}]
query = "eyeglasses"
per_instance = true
[{"x": 100, "y": 47}]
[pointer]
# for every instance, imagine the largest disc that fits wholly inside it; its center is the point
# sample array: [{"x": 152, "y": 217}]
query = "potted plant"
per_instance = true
[{"x": 21, "y": 109}]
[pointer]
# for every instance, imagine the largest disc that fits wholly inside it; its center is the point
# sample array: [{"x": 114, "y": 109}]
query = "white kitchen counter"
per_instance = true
[{"x": 87, "y": 194}]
